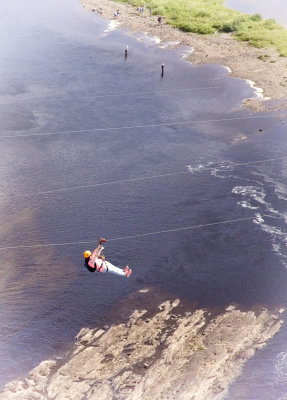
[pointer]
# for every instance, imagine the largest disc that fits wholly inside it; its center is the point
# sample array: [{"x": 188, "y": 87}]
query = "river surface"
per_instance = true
[
  {"x": 276, "y": 9},
  {"x": 74, "y": 112}
]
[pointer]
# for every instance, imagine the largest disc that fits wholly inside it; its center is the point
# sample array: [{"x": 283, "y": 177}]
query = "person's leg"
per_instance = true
[{"x": 113, "y": 269}]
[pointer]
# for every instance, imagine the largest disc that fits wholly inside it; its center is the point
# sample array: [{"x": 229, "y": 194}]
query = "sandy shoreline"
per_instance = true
[
  {"x": 268, "y": 72},
  {"x": 153, "y": 346}
]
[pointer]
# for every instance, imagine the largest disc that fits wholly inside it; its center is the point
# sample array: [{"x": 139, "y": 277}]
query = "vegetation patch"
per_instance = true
[{"x": 210, "y": 16}]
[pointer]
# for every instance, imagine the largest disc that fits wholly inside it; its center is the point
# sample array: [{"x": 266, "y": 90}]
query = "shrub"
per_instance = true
[
  {"x": 270, "y": 24},
  {"x": 186, "y": 27},
  {"x": 232, "y": 26},
  {"x": 256, "y": 17},
  {"x": 201, "y": 14}
]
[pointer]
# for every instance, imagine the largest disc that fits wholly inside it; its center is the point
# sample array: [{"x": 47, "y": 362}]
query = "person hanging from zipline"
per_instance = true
[{"x": 95, "y": 261}]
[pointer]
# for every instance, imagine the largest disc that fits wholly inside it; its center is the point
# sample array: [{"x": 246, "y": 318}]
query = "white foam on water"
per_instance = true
[
  {"x": 228, "y": 69},
  {"x": 211, "y": 168},
  {"x": 246, "y": 204},
  {"x": 258, "y": 218},
  {"x": 254, "y": 197},
  {"x": 249, "y": 195},
  {"x": 276, "y": 247},
  {"x": 187, "y": 52},
  {"x": 226, "y": 170},
  {"x": 152, "y": 40},
  {"x": 198, "y": 168},
  {"x": 147, "y": 38},
  {"x": 278, "y": 239},
  {"x": 258, "y": 91},
  {"x": 222, "y": 171},
  {"x": 279, "y": 188},
  {"x": 240, "y": 137},
  {"x": 111, "y": 27},
  {"x": 165, "y": 45}
]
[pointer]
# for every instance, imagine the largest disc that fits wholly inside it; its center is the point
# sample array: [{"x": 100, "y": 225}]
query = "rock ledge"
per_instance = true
[{"x": 158, "y": 348}]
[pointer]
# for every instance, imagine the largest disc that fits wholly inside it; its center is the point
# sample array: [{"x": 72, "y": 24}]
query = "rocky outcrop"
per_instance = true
[{"x": 154, "y": 348}]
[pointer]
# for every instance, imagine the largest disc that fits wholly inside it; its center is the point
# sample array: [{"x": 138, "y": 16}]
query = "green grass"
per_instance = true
[{"x": 209, "y": 16}]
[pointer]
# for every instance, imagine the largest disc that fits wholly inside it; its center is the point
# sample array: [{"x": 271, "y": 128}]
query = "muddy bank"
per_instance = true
[
  {"x": 264, "y": 67},
  {"x": 152, "y": 347}
]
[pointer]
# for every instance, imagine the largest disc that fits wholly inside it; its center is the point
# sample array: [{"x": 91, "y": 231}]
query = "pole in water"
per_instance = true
[
  {"x": 162, "y": 70},
  {"x": 126, "y": 51}
]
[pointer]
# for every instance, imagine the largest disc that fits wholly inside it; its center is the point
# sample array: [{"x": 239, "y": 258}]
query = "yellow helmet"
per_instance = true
[{"x": 87, "y": 253}]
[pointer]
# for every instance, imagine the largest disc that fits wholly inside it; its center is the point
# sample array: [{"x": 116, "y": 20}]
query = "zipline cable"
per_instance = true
[
  {"x": 112, "y": 182},
  {"x": 139, "y": 234},
  {"x": 118, "y": 128},
  {"x": 45, "y": 99},
  {"x": 143, "y": 178}
]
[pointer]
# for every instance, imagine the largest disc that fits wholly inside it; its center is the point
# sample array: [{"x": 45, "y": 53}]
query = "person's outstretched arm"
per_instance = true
[{"x": 94, "y": 255}]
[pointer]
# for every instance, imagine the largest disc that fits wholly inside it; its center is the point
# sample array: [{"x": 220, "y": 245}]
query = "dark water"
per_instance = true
[
  {"x": 62, "y": 70},
  {"x": 276, "y": 9}
]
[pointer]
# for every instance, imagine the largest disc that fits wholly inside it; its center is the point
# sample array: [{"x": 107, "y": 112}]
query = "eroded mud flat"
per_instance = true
[{"x": 153, "y": 346}]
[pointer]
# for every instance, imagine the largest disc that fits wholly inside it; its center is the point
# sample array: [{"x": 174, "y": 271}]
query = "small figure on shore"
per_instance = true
[
  {"x": 117, "y": 13},
  {"x": 150, "y": 11},
  {"x": 159, "y": 20},
  {"x": 95, "y": 261}
]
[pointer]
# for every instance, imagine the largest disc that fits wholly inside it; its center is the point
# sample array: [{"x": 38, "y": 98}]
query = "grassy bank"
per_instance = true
[{"x": 209, "y": 16}]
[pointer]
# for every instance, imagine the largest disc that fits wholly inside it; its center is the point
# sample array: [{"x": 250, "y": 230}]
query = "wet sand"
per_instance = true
[{"x": 269, "y": 72}]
